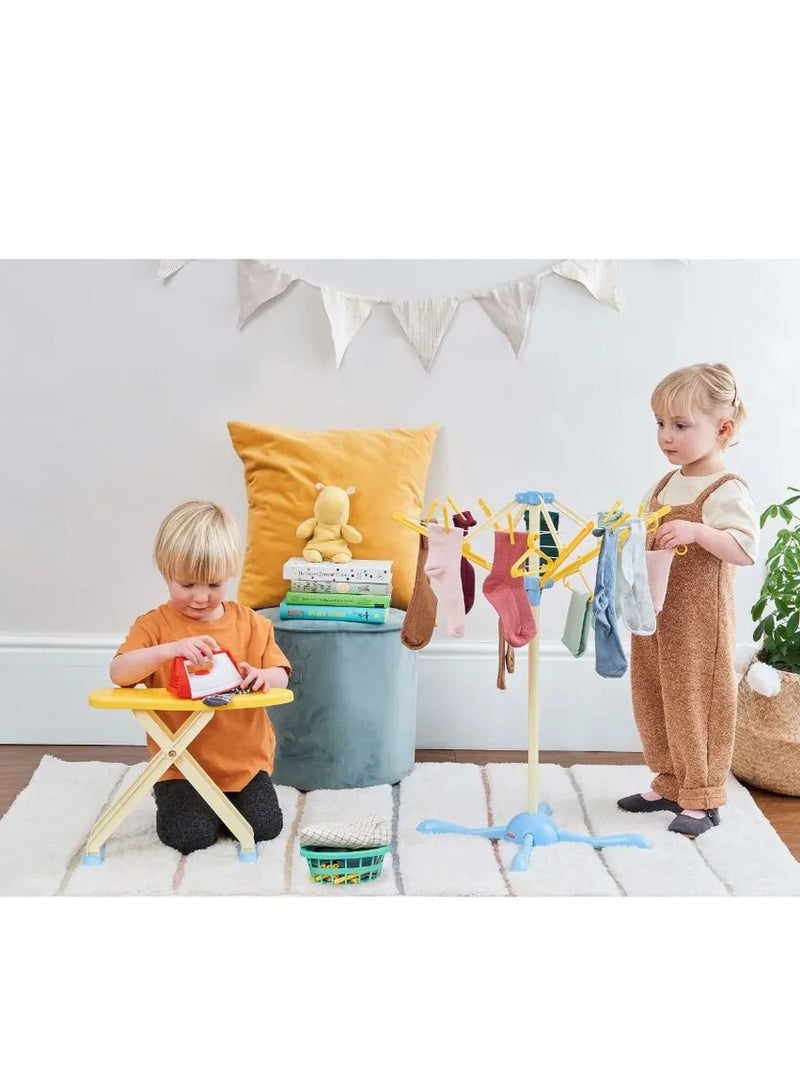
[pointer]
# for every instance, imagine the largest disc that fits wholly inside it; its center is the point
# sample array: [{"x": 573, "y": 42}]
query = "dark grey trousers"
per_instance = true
[{"x": 185, "y": 822}]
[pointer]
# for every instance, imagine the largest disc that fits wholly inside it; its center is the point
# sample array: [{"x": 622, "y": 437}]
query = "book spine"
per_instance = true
[
  {"x": 340, "y": 587},
  {"x": 301, "y": 598},
  {"x": 332, "y": 613},
  {"x": 360, "y": 572}
]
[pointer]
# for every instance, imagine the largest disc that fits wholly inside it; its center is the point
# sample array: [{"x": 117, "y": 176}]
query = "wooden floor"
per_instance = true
[{"x": 17, "y": 764}]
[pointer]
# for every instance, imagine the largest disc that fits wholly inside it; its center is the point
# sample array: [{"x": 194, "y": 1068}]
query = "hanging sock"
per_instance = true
[
  {"x": 638, "y": 611},
  {"x": 443, "y": 568},
  {"x": 420, "y": 618},
  {"x": 506, "y": 660},
  {"x": 578, "y": 623},
  {"x": 506, "y": 593},
  {"x": 659, "y": 562},
  {"x": 610, "y": 661},
  {"x": 464, "y": 520}
]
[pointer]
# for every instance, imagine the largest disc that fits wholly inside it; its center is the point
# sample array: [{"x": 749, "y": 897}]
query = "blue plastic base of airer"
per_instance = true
[{"x": 531, "y": 830}]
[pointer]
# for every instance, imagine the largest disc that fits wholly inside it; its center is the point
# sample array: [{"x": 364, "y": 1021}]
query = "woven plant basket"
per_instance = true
[{"x": 766, "y": 751}]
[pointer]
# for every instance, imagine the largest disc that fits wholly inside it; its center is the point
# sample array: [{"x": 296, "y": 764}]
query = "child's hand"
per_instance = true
[
  {"x": 196, "y": 649},
  {"x": 674, "y": 533},
  {"x": 253, "y": 678}
]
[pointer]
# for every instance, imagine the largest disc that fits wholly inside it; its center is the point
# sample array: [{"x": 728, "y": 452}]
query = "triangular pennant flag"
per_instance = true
[
  {"x": 346, "y": 314},
  {"x": 599, "y": 277},
  {"x": 425, "y": 323},
  {"x": 509, "y": 307},
  {"x": 258, "y": 283},
  {"x": 169, "y": 266}
]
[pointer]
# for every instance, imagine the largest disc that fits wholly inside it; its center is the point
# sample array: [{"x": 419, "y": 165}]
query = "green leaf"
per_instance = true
[{"x": 758, "y": 609}]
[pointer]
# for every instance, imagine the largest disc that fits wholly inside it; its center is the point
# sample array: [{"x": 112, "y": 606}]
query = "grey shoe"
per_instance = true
[
  {"x": 693, "y": 827},
  {"x": 639, "y": 805}
]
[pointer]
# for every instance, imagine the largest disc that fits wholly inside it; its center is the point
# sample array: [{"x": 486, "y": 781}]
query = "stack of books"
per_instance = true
[{"x": 325, "y": 591}]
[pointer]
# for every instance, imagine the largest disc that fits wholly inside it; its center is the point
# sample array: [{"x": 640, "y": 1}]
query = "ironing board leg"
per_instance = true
[
  {"x": 220, "y": 805},
  {"x": 108, "y": 822}
]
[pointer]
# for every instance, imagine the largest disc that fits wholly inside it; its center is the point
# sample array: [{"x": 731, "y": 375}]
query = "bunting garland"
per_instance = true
[
  {"x": 425, "y": 322},
  {"x": 258, "y": 284},
  {"x": 509, "y": 307},
  {"x": 346, "y": 314}
]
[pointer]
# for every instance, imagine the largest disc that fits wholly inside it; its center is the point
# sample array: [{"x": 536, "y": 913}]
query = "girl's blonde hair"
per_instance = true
[
  {"x": 711, "y": 388},
  {"x": 198, "y": 542}
]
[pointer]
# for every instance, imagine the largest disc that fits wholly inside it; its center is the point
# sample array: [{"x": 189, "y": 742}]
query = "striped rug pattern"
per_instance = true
[{"x": 43, "y": 835}]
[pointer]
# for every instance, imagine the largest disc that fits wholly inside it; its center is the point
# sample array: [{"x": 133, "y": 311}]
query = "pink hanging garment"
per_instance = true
[{"x": 659, "y": 562}]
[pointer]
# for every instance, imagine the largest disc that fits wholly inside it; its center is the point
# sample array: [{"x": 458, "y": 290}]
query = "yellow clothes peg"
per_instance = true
[
  {"x": 610, "y": 512},
  {"x": 420, "y": 528},
  {"x": 486, "y": 510}
]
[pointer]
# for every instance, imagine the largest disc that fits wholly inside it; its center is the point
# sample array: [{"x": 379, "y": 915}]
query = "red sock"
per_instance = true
[
  {"x": 506, "y": 593},
  {"x": 467, "y": 584},
  {"x": 464, "y": 520},
  {"x": 443, "y": 568}
]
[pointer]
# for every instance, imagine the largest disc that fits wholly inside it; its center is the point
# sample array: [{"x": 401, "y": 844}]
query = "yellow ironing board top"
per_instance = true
[{"x": 161, "y": 700}]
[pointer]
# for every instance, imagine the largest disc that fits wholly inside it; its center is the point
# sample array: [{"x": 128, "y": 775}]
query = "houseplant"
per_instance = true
[
  {"x": 777, "y": 610},
  {"x": 767, "y": 747}
]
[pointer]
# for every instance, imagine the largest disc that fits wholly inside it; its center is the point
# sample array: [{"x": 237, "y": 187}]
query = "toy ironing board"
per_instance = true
[{"x": 145, "y": 704}]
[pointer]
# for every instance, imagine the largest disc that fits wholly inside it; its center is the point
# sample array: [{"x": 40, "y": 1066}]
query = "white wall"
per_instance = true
[{"x": 117, "y": 388}]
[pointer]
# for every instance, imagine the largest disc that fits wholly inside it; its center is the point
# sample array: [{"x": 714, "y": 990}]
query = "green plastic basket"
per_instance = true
[{"x": 341, "y": 866}]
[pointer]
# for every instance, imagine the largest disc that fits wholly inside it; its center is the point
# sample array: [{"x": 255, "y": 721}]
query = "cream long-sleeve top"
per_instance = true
[{"x": 729, "y": 508}]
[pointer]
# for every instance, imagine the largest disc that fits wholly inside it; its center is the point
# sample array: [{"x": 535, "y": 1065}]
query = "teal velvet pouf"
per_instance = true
[{"x": 352, "y": 723}]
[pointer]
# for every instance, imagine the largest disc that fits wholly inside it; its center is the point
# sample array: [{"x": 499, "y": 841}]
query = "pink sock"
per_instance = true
[
  {"x": 506, "y": 593},
  {"x": 659, "y": 562},
  {"x": 443, "y": 569}
]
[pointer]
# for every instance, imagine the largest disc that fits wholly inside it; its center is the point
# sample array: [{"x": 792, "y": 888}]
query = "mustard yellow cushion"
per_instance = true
[{"x": 387, "y": 468}]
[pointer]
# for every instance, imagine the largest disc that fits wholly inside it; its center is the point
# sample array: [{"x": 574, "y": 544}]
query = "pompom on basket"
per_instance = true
[{"x": 766, "y": 752}]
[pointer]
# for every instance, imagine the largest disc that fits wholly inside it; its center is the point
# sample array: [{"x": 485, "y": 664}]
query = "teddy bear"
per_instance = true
[{"x": 328, "y": 530}]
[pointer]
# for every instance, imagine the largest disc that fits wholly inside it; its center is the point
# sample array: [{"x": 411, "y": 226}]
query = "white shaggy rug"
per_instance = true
[{"x": 43, "y": 835}]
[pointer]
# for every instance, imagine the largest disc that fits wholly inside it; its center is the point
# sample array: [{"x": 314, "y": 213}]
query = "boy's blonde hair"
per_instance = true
[
  {"x": 711, "y": 388},
  {"x": 198, "y": 542}
]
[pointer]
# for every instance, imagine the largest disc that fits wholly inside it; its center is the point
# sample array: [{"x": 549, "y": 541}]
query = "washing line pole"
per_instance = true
[{"x": 533, "y": 715}]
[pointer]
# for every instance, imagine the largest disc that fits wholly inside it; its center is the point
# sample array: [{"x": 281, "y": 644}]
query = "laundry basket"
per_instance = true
[
  {"x": 340, "y": 866},
  {"x": 766, "y": 750}
]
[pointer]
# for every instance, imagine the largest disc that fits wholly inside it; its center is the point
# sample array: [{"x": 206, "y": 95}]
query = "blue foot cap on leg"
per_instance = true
[
  {"x": 248, "y": 857},
  {"x": 93, "y": 858}
]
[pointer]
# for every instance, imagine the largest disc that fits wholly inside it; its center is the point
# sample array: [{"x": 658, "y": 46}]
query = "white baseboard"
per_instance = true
[
  {"x": 45, "y": 681},
  {"x": 460, "y": 706}
]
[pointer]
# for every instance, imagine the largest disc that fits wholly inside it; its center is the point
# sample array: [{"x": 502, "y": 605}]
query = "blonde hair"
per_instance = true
[
  {"x": 711, "y": 388},
  {"x": 197, "y": 542}
]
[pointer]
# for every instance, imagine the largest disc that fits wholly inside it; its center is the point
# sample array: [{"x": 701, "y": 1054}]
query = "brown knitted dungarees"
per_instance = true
[{"x": 682, "y": 677}]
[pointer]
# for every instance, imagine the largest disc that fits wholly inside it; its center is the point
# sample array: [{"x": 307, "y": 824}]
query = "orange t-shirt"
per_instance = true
[{"x": 233, "y": 746}]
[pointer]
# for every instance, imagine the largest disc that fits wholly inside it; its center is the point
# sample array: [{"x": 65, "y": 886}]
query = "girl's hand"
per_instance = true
[
  {"x": 675, "y": 533},
  {"x": 197, "y": 649},
  {"x": 253, "y": 678}
]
